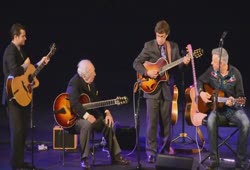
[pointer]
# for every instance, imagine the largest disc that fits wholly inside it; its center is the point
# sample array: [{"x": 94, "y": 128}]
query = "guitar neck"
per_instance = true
[
  {"x": 194, "y": 78},
  {"x": 49, "y": 55},
  {"x": 222, "y": 99},
  {"x": 171, "y": 65},
  {"x": 239, "y": 101},
  {"x": 38, "y": 69},
  {"x": 99, "y": 104}
]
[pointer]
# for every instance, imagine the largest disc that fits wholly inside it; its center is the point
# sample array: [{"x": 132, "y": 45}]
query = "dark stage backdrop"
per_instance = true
[{"x": 112, "y": 33}]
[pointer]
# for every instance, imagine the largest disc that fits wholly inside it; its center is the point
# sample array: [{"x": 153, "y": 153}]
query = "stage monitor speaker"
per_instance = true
[
  {"x": 70, "y": 140},
  {"x": 126, "y": 137},
  {"x": 166, "y": 162}
]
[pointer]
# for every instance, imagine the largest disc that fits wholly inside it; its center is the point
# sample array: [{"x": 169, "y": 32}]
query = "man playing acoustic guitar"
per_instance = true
[
  {"x": 15, "y": 64},
  {"x": 223, "y": 78}
]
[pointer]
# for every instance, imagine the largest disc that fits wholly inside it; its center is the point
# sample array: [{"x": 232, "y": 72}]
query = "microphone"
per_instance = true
[{"x": 223, "y": 35}]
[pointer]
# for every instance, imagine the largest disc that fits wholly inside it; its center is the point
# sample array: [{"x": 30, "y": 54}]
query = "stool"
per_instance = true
[
  {"x": 224, "y": 141},
  {"x": 92, "y": 150}
]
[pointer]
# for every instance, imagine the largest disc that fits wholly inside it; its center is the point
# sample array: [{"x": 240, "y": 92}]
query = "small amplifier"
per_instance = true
[{"x": 61, "y": 137}]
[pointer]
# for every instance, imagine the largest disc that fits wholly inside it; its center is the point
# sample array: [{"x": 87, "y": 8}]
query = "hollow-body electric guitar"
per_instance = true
[
  {"x": 148, "y": 85},
  {"x": 65, "y": 117}
]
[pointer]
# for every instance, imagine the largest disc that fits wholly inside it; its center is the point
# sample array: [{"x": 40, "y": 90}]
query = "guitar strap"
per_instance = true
[{"x": 168, "y": 51}]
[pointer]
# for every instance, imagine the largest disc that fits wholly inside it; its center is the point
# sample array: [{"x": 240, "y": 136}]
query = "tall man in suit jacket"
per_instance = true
[
  {"x": 159, "y": 101},
  {"x": 15, "y": 63}
]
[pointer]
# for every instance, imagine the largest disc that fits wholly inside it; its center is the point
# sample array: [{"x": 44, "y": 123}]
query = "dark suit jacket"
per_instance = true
[
  {"x": 151, "y": 52},
  {"x": 12, "y": 61},
  {"x": 76, "y": 87}
]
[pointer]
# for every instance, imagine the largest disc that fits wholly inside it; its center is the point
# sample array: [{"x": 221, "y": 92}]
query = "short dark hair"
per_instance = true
[
  {"x": 16, "y": 29},
  {"x": 162, "y": 27}
]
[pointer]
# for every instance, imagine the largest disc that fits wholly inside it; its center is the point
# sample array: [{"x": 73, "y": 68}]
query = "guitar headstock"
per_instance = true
[
  {"x": 52, "y": 50},
  {"x": 121, "y": 100},
  {"x": 241, "y": 101},
  {"x": 190, "y": 50},
  {"x": 198, "y": 52}
]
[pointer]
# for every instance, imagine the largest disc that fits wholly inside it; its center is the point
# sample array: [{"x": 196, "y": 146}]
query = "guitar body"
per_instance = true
[
  {"x": 62, "y": 111},
  {"x": 174, "y": 115},
  {"x": 193, "y": 115},
  {"x": 190, "y": 106},
  {"x": 149, "y": 85},
  {"x": 20, "y": 88},
  {"x": 206, "y": 107}
]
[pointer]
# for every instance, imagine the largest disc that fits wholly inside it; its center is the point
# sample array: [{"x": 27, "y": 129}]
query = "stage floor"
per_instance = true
[{"x": 52, "y": 159}]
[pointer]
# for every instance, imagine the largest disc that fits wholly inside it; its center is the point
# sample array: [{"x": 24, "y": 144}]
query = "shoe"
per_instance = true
[
  {"x": 214, "y": 161},
  {"x": 214, "y": 164},
  {"x": 119, "y": 160},
  {"x": 85, "y": 163},
  {"x": 241, "y": 166},
  {"x": 171, "y": 151},
  {"x": 151, "y": 159}
]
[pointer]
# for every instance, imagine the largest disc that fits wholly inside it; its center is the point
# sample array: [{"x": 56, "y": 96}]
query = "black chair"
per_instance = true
[{"x": 223, "y": 141}]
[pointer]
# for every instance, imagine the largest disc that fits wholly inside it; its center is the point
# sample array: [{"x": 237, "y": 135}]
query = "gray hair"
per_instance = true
[
  {"x": 83, "y": 67},
  {"x": 223, "y": 52}
]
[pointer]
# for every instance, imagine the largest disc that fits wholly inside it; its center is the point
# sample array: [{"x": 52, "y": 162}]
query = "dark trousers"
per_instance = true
[
  {"x": 18, "y": 124},
  {"x": 84, "y": 128},
  {"x": 241, "y": 120},
  {"x": 158, "y": 115}
]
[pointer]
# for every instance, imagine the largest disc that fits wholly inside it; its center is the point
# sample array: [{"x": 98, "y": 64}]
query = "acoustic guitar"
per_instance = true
[
  {"x": 66, "y": 118},
  {"x": 21, "y": 87},
  {"x": 221, "y": 100},
  {"x": 148, "y": 85},
  {"x": 193, "y": 115}
]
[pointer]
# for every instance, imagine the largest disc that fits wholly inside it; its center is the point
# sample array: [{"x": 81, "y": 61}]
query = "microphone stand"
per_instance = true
[
  {"x": 32, "y": 126},
  {"x": 137, "y": 122},
  {"x": 215, "y": 95}
]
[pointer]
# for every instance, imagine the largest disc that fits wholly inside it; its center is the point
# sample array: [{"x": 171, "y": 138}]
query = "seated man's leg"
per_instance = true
[
  {"x": 213, "y": 138},
  {"x": 242, "y": 121},
  {"x": 84, "y": 128}
]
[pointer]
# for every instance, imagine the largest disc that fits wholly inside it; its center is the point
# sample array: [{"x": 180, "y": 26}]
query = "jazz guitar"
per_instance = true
[
  {"x": 221, "y": 100},
  {"x": 148, "y": 85},
  {"x": 193, "y": 115},
  {"x": 65, "y": 117},
  {"x": 21, "y": 87}
]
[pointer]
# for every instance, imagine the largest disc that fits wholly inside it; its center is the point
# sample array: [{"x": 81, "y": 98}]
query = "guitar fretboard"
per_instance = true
[
  {"x": 40, "y": 67},
  {"x": 170, "y": 65},
  {"x": 194, "y": 72},
  {"x": 95, "y": 105}
]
